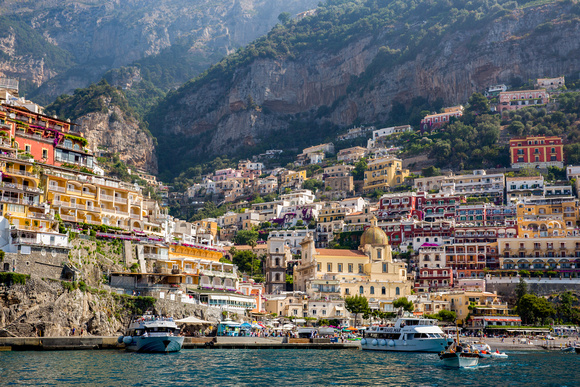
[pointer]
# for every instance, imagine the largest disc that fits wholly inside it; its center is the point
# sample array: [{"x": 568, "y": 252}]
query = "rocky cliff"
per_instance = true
[
  {"x": 64, "y": 45},
  {"x": 46, "y": 308},
  {"x": 114, "y": 132},
  {"x": 358, "y": 81}
]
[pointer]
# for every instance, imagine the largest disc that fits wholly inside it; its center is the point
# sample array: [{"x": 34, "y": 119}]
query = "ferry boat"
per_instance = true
[
  {"x": 408, "y": 335},
  {"x": 150, "y": 333}
]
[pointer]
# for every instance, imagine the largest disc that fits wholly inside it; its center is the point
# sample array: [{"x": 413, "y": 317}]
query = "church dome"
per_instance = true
[{"x": 374, "y": 235}]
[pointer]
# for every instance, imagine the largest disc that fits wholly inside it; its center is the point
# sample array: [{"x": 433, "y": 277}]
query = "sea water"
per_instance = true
[{"x": 280, "y": 367}]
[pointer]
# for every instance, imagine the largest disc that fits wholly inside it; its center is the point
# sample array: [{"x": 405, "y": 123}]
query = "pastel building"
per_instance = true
[
  {"x": 514, "y": 100},
  {"x": 537, "y": 152},
  {"x": 434, "y": 121}
]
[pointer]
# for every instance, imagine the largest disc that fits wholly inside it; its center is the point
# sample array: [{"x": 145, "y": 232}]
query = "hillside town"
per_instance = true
[{"x": 294, "y": 242}]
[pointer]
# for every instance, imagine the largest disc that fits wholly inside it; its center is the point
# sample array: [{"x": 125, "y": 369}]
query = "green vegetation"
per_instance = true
[
  {"x": 404, "y": 304},
  {"x": 13, "y": 278},
  {"x": 356, "y": 304},
  {"x": 443, "y": 315},
  {"x": 246, "y": 237}
]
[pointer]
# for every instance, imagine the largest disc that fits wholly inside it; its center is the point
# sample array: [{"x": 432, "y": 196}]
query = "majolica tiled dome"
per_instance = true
[{"x": 374, "y": 235}]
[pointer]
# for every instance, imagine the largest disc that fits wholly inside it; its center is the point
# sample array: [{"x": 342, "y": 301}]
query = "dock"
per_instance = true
[{"x": 74, "y": 343}]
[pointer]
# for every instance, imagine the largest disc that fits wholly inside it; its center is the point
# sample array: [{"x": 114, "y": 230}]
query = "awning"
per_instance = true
[
  {"x": 192, "y": 320},
  {"x": 502, "y": 319}
]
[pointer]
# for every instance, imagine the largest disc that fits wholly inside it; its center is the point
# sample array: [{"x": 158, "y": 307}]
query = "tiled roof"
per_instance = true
[{"x": 340, "y": 253}]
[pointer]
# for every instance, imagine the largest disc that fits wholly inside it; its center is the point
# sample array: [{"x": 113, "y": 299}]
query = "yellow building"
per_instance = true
[
  {"x": 84, "y": 198},
  {"x": 384, "y": 173},
  {"x": 538, "y": 254},
  {"x": 368, "y": 271},
  {"x": 292, "y": 179},
  {"x": 198, "y": 266},
  {"x": 547, "y": 217},
  {"x": 22, "y": 198},
  {"x": 465, "y": 302}
]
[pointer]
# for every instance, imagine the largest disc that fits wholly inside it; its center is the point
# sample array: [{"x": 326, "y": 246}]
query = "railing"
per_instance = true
[
  {"x": 92, "y": 222},
  {"x": 36, "y": 215},
  {"x": 56, "y": 188},
  {"x": 106, "y": 197},
  {"x": 74, "y": 190},
  {"x": 10, "y": 199},
  {"x": 20, "y": 172},
  {"x": 69, "y": 218},
  {"x": 120, "y": 200}
]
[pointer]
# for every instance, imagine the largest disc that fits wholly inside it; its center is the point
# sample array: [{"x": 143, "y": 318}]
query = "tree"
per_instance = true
[
  {"x": 431, "y": 171},
  {"x": 284, "y": 17},
  {"x": 447, "y": 315},
  {"x": 404, "y": 304},
  {"x": 356, "y": 304},
  {"x": 478, "y": 104},
  {"x": 244, "y": 237},
  {"x": 360, "y": 167},
  {"x": 533, "y": 309},
  {"x": 246, "y": 262},
  {"x": 521, "y": 290}
]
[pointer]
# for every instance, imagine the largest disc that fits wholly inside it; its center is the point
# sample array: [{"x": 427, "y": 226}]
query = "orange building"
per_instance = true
[{"x": 536, "y": 152}]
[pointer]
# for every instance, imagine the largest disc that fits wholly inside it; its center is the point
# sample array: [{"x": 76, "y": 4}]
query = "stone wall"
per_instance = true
[
  {"x": 506, "y": 287},
  {"x": 44, "y": 262}
]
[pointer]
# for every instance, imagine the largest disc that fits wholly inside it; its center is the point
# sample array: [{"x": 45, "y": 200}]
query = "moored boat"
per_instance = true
[
  {"x": 150, "y": 333},
  {"x": 460, "y": 356},
  {"x": 407, "y": 335}
]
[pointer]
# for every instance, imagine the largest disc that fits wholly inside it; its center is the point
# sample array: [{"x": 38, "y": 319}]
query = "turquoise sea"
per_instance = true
[{"x": 292, "y": 367}]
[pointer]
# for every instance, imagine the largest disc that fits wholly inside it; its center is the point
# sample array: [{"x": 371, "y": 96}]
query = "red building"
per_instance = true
[
  {"x": 46, "y": 139},
  {"x": 433, "y": 279},
  {"x": 536, "y": 152}
]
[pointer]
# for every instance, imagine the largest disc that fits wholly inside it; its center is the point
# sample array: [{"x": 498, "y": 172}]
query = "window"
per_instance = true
[
  {"x": 361, "y": 290},
  {"x": 27, "y": 148},
  {"x": 346, "y": 291},
  {"x": 379, "y": 254},
  {"x": 340, "y": 267},
  {"x": 397, "y": 291},
  {"x": 329, "y": 267},
  {"x": 372, "y": 290},
  {"x": 384, "y": 268},
  {"x": 318, "y": 266},
  {"x": 360, "y": 268},
  {"x": 383, "y": 291},
  {"x": 350, "y": 267}
]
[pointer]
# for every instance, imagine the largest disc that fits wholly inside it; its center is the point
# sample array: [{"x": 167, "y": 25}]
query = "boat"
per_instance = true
[
  {"x": 480, "y": 346},
  {"x": 149, "y": 333},
  {"x": 407, "y": 335},
  {"x": 498, "y": 355},
  {"x": 460, "y": 356}
]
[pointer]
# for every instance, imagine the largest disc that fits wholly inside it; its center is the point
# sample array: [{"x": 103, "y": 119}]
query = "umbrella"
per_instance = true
[
  {"x": 192, "y": 320},
  {"x": 246, "y": 325}
]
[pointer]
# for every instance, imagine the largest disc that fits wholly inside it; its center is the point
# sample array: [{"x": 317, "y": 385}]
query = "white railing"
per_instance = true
[
  {"x": 120, "y": 200},
  {"x": 69, "y": 218},
  {"x": 74, "y": 190},
  {"x": 56, "y": 188},
  {"x": 106, "y": 197},
  {"x": 133, "y": 216}
]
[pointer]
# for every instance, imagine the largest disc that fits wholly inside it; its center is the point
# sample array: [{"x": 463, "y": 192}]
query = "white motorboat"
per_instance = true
[
  {"x": 480, "y": 346},
  {"x": 460, "y": 356},
  {"x": 407, "y": 335},
  {"x": 150, "y": 333},
  {"x": 498, "y": 355}
]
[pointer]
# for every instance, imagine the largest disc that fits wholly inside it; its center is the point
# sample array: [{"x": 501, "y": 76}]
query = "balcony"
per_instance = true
[
  {"x": 218, "y": 273},
  {"x": 105, "y": 197},
  {"x": 74, "y": 190},
  {"x": 37, "y": 215},
  {"x": 97, "y": 223},
  {"x": 56, "y": 188},
  {"x": 15, "y": 171},
  {"x": 121, "y": 200},
  {"x": 69, "y": 218},
  {"x": 135, "y": 216}
]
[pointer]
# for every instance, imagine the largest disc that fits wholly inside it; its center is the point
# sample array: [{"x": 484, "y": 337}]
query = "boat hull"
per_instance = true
[
  {"x": 455, "y": 361},
  {"x": 157, "y": 344},
  {"x": 430, "y": 345}
]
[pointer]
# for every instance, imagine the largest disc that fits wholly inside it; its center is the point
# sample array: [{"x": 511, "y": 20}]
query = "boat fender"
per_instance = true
[
  {"x": 391, "y": 343},
  {"x": 363, "y": 341},
  {"x": 405, "y": 342},
  {"x": 382, "y": 342},
  {"x": 120, "y": 339},
  {"x": 127, "y": 339},
  {"x": 374, "y": 342}
]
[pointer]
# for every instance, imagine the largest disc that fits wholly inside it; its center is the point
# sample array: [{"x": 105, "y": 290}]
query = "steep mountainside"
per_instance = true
[
  {"x": 351, "y": 61},
  {"x": 109, "y": 124},
  {"x": 66, "y": 44}
]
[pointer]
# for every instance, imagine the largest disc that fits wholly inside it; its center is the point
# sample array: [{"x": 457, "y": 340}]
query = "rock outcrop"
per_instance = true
[
  {"x": 47, "y": 309},
  {"x": 265, "y": 94},
  {"x": 115, "y": 132}
]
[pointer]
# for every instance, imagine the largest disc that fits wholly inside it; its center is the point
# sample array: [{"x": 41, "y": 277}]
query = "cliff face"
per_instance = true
[
  {"x": 89, "y": 38},
  {"x": 115, "y": 132},
  {"x": 39, "y": 306},
  {"x": 266, "y": 94}
]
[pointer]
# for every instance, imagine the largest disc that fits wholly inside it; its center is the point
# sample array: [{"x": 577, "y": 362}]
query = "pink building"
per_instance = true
[
  {"x": 228, "y": 173},
  {"x": 434, "y": 121},
  {"x": 514, "y": 100}
]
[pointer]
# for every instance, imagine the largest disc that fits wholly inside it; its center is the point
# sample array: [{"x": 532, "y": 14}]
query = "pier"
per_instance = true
[{"x": 110, "y": 342}]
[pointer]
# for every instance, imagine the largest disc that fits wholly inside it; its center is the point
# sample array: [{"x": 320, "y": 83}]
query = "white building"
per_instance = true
[{"x": 299, "y": 197}]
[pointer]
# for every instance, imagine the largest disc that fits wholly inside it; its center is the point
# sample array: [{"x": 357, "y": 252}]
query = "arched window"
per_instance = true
[
  {"x": 397, "y": 292},
  {"x": 361, "y": 290},
  {"x": 383, "y": 291},
  {"x": 372, "y": 290},
  {"x": 379, "y": 254},
  {"x": 277, "y": 261}
]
